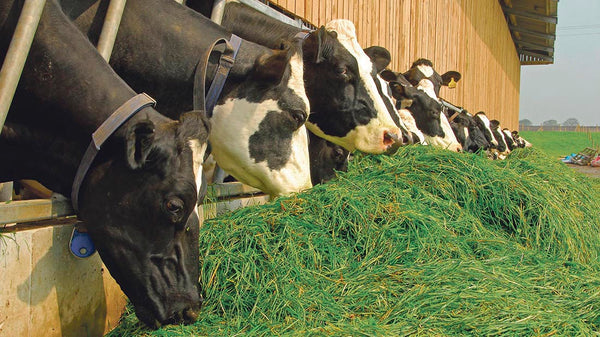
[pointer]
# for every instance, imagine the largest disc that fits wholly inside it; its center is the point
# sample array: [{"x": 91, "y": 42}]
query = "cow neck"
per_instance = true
[{"x": 105, "y": 130}]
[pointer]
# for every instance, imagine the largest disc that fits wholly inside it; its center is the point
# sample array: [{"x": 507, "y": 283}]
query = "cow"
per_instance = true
[
  {"x": 510, "y": 142},
  {"x": 521, "y": 142},
  {"x": 138, "y": 198},
  {"x": 258, "y": 133},
  {"x": 325, "y": 159},
  {"x": 381, "y": 58},
  {"x": 423, "y": 76},
  {"x": 499, "y": 136},
  {"x": 468, "y": 133},
  {"x": 483, "y": 123},
  {"x": 346, "y": 108},
  {"x": 426, "y": 111}
]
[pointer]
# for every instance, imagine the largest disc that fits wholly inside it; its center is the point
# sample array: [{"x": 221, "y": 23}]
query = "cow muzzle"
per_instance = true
[{"x": 392, "y": 141}]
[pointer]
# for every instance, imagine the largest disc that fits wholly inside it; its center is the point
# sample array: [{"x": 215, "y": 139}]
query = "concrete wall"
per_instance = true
[{"x": 46, "y": 291}]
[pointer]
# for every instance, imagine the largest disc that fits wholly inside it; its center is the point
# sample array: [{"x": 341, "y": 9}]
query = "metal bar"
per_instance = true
[
  {"x": 15, "y": 58},
  {"x": 110, "y": 28},
  {"x": 531, "y": 32},
  {"x": 230, "y": 190},
  {"x": 535, "y": 45},
  {"x": 534, "y": 16},
  {"x": 34, "y": 210}
]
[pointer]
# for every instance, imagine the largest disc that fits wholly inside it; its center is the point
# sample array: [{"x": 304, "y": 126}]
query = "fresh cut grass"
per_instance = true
[{"x": 425, "y": 242}]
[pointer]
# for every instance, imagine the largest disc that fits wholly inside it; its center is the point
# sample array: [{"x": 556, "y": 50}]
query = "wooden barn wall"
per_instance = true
[{"x": 470, "y": 36}]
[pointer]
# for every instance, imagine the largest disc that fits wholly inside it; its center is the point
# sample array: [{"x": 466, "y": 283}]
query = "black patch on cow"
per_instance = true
[{"x": 273, "y": 140}]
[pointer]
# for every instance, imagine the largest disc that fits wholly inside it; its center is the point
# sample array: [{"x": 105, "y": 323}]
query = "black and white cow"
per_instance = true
[
  {"x": 426, "y": 111},
  {"x": 346, "y": 108},
  {"x": 521, "y": 142},
  {"x": 468, "y": 133},
  {"x": 499, "y": 136},
  {"x": 381, "y": 58},
  {"x": 510, "y": 142},
  {"x": 258, "y": 133},
  {"x": 138, "y": 198},
  {"x": 484, "y": 125},
  {"x": 423, "y": 76}
]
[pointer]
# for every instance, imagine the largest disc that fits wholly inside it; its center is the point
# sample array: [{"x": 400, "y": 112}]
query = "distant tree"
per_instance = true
[
  {"x": 525, "y": 122},
  {"x": 571, "y": 122},
  {"x": 551, "y": 122}
]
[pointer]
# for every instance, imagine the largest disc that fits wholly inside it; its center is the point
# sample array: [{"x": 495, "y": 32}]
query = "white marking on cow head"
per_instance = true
[
  {"x": 233, "y": 125},
  {"x": 369, "y": 137},
  {"x": 427, "y": 86},
  {"x": 426, "y": 70},
  {"x": 501, "y": 140},
  {"x": 486, "y": 123},
  {"x": 411, "y": 124},
  {"x": 198, "y": 151}
]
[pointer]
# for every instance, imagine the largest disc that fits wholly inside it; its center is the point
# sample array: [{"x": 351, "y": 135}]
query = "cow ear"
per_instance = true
[
  {"x": 380, "y": 57},
  {"x": 139, "y": 143},
  {"x": 269, "y": 69},
  {"x": 325, "y": 47},
  {"x": 450, "y": 78},
  {"x": 388, "y": 75}
]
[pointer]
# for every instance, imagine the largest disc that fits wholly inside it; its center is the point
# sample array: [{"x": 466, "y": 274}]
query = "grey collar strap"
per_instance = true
[
  {"x": 120, "y": 116},
  {"x": 302, "y": 35},
  {"x": 207, "y": 102}
]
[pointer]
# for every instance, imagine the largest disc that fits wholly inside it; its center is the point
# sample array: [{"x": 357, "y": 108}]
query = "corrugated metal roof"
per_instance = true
[{"x": 532, "y": 24}]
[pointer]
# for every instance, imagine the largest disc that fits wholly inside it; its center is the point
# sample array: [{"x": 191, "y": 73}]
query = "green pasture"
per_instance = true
[
  {"x": 560, "y": 144},
  {"x": 426, "y": 242}
]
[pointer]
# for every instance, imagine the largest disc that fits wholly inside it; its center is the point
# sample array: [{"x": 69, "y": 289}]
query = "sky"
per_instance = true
[{"x": 569, "y": 88}]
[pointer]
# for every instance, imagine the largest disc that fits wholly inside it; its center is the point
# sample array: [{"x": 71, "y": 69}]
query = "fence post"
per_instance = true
[{"x": 110, "y": 28}]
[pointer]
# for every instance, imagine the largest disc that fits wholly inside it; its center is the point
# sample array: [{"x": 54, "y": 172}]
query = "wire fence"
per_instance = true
[{"x": 577, "y": 128}]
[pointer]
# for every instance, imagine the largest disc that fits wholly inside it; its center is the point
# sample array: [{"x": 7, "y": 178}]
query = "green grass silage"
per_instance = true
[{"x": 425, "y": 242}]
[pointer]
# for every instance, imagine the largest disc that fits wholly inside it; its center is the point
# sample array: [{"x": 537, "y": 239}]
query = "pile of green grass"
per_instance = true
[
  {"x": 426, "y": 242},
  {"x": 561, "y": 143}
]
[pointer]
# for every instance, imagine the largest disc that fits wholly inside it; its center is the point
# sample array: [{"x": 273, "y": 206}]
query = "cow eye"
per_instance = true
[
  {"x": 342, "y": 71},
  {"x": 299, "y": 117},
  {"x": 174, "y": 205}
]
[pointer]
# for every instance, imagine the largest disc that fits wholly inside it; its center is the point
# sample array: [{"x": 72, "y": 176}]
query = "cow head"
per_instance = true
[
  {"x": 422, "y": 75},
  {"x": 347, "y": 108},
  {"x": 499, "y": 136},
  {"x": 468, "y": 134},
  {"x": 325, "y": 159},
  {"x": 510, "y": 142},
  {"x": 484, "y": 125},
  {"x": 140, "y": 209},
  {"x": 258, "y": 133},
  {"x": 426, "y": 111}
]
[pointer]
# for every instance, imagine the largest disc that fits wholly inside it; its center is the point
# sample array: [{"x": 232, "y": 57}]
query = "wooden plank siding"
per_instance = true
[{"x": 470, "y": 36}]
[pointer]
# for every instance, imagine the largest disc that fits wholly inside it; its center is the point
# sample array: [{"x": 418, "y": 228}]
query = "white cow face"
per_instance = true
[{"x": 259, "y": 136}]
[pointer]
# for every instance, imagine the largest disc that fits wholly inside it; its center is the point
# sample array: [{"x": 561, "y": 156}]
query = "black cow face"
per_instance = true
[
  {"x": 483, "y": 123},
  {"x": 510, "y": 142},
  {"x": 468, "y": 134},
  {"x": 150, "y": 245},
  {"x": 498, "y": 135},
  {"x": 425, "y": 110},
  {"x": 325, "y": 159},
  {"x": 346, "y": 108}
]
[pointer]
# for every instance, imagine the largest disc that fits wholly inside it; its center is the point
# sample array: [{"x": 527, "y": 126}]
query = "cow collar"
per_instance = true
[
  {"x": 108, "y": 127},
  {"x": 226, "y": 61},
  {"x": 449, "y": 106}
]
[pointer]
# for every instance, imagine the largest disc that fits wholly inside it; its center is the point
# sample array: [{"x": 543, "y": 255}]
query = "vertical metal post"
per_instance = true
[
  {"x": 16, "y": 55},
  {"x": 110, "y": 28}
]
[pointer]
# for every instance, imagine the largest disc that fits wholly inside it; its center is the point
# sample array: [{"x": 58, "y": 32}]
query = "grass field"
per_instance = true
[{"x": 560, "y": 144}]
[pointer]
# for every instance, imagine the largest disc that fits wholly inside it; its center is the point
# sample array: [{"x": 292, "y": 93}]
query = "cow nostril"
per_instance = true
[{"x": 389, "y": 138}]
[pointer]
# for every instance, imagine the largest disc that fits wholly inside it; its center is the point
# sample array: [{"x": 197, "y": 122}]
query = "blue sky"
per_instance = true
[{"x": 569, "y": 88}]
